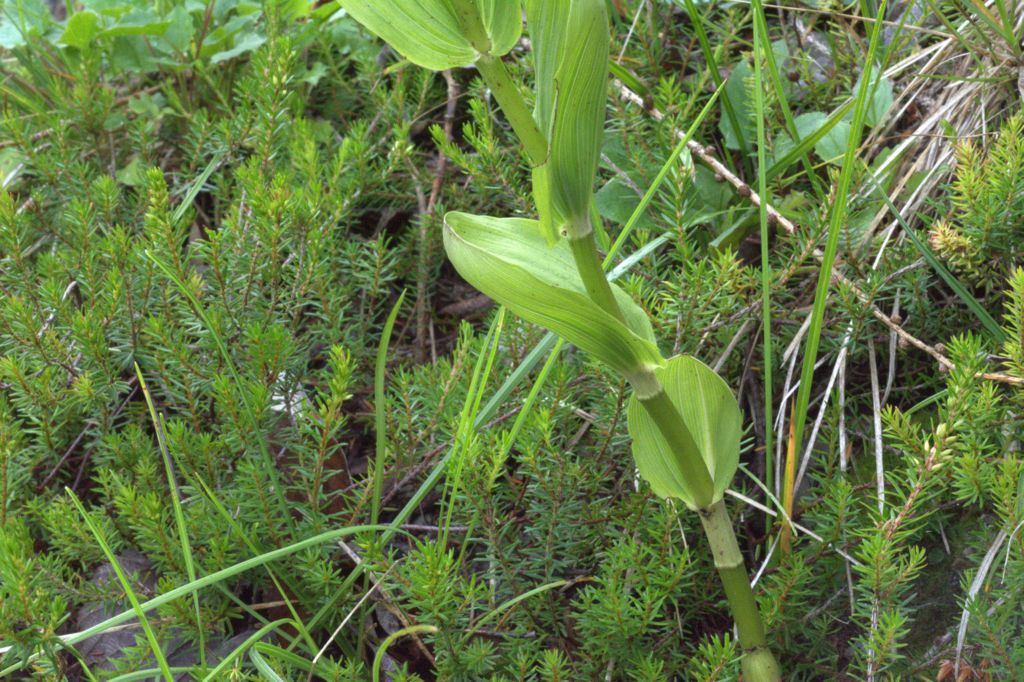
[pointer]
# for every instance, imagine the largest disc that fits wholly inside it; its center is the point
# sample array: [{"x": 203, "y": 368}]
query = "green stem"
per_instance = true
[
  {"x": 588, "y": 264},
  {"x": 496, "y": 75},
  {"x": 655, "y": 400},
  {"x": 514, "y": 107},
  {"x": 758, "y": 664}
]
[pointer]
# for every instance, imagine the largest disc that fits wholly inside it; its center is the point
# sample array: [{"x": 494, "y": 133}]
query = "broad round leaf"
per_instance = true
[
  {"x": 427, "y": 32},
  {"x": 712, "y": 416},
  {"x": 508, "y": 259}
]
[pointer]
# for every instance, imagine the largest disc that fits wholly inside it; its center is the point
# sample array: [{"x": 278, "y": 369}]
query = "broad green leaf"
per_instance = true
[
  {"x": 134, "y": 174},
  {"x": 738, "y": 90},
  {"x": 712, "y": 416},
  {"x": 109, "y": 8},
  {"x": 138, "y": 23},
  {"x": 246, "y": 43},
  {"x": 879, "y": 98},
  {"x": 780, "y": 49},
  {"x": 314, "y": 73},
  {"x": 228, "y": 33},
  {"x": 294, "y": 9},
  {"x": 570, "y": 51},
  {"x": 879, "y": 103},
  {"x": 428, "y": 33},
  {"x": 179, "y": 33},
  {"x": 619, "y": 197},
  {"x": 809, "y": 123},
  {"x": 616, "y": 201},
  {"x": 806, "y": 125},
  {"x": 549, "y": 219},
  {"x": 80, "y": 30},
  {"x": 133, "y": 53},
  {"x": 713, "y": 194},
  {"x": 22, "y": 20},
  {"x": 509, "y": 260},
  {"x": 832, "y": 147},
  {"x": 504, "y": 22},
  {"x": 548, "y": 24}
]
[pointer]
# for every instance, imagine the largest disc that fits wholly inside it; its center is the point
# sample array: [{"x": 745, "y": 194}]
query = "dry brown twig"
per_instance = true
[
  {"x": 706, "y": 155},
  {"x": 381, "y": 595}
]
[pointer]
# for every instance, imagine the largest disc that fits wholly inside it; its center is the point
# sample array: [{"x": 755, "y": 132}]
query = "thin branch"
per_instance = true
[{"x": 876, "y": 410}]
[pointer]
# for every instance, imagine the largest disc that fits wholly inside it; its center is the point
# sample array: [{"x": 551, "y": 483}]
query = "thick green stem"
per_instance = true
[
  {"x": 655, "y": 400},
  {"x": 759, "y": 664},
  {"x": 514, "y": 107},
  {"x": 496, "y": 75},
  {"x": 588, "y": 264}
]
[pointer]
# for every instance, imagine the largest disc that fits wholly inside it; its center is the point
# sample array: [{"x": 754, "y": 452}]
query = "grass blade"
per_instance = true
[
  {"x": 240, "y": 532},
  {"x": 266, "y": 672},
  {"x": 211, "y": 579},
  {"x": 179, "y": 515},
  {"x": 137, "y": 609},
  {"x": 241, "y": 648},
  {"x": 148, "y": 674},
  {"x": 379, "y": 399},
  {"x": 505, "y": 606},
  {"x": 467, "y": 421},
  {"x": 832, "y": 244},
  {"x": 325, "y": 668},
  {"x": 195, "y": 188},
  {"x": 378, "y": 659},
  {"x": 760, "y": 52}
]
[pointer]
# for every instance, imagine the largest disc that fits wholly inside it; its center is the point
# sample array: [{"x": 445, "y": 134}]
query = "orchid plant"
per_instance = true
[{"x": 684, "y": 420}]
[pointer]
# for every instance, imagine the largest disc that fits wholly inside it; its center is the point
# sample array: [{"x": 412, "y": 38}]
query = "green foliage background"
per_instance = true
[{"x": 232, "y": 195}]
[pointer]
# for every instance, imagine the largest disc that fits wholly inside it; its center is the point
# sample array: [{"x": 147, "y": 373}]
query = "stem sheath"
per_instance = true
[
  {"x": 673, "y": 429},
  {"x": 468, "y": 14}
]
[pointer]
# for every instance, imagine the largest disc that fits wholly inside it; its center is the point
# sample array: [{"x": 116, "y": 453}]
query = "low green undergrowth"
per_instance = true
[{"x": 233, "y": 200}]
